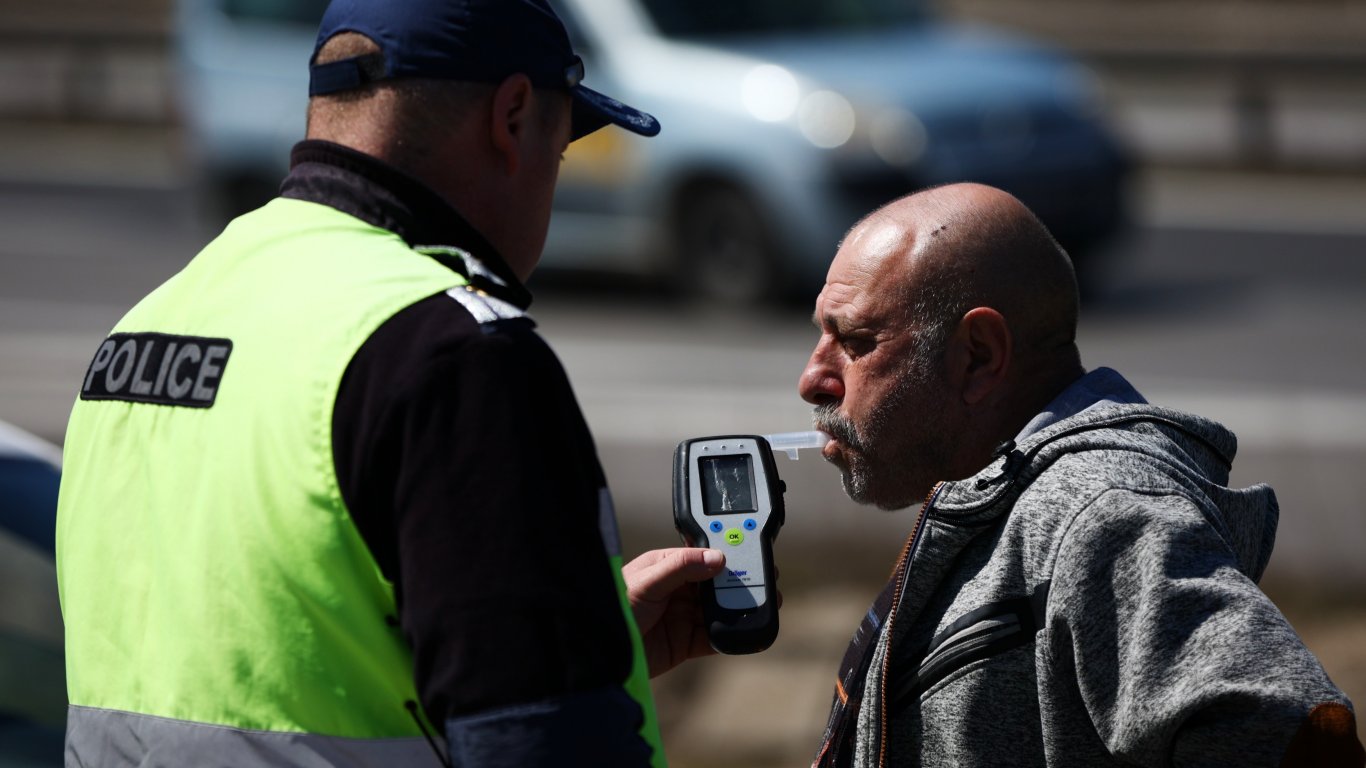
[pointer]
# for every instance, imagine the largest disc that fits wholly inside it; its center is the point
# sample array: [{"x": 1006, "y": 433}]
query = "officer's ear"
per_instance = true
[
  {"x": 513, "y": 108},
  {"x": 979, "y": 354}
]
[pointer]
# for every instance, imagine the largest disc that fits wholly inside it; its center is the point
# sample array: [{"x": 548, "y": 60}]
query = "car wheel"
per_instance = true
[{"x": 725, "y": 251}]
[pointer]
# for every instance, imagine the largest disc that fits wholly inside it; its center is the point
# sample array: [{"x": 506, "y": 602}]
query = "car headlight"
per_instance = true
[
  {"x": 769, "y": 93},
  {"x": 772, "y": 94},
  {"x": 826, "y": 119}
]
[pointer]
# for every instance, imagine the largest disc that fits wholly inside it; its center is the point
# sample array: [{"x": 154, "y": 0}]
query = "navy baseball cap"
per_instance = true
[{"x": 473, "y": 40}]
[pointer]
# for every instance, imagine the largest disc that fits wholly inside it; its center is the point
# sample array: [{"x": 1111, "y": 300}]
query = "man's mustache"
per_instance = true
[{"x": 829, "y": 420}]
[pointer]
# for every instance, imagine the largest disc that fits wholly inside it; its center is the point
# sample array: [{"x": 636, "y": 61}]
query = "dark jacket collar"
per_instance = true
[{"x": 379, "y": 194}]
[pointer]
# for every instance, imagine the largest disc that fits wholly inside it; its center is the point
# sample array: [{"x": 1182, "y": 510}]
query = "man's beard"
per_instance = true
[{"x": 893, "y": 459}]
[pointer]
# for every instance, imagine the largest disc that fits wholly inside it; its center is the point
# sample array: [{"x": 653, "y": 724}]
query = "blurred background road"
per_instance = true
[{"x": 1238, "y": 292}]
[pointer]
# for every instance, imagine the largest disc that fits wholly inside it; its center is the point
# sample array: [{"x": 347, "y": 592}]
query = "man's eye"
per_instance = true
[{"x": 858, "y": 346}]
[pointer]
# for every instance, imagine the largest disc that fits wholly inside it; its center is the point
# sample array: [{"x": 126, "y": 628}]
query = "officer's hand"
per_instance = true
[{"x": 662, "y": 587}]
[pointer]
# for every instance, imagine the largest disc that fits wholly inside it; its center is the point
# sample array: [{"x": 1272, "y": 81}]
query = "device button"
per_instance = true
[
  {"x": 750, "y": 524},
  {"x": 735, "y": 537},
  {"x": 716, "y": 526}
]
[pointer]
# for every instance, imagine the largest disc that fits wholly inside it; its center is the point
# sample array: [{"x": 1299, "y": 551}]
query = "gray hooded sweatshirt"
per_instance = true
[{"x": 1090, "y": 599}]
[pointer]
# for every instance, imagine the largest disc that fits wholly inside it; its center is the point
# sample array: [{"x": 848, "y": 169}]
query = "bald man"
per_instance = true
[{"x": 1080, "y": 585}]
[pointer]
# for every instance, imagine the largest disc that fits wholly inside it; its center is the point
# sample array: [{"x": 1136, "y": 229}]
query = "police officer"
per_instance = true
[{"x": 328, "y": 497}]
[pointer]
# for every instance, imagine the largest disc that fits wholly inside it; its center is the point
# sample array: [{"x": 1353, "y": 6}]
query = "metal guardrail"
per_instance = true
[
  {"x": 69, "y": 74},
  {"x": 1257, "y": 84}
]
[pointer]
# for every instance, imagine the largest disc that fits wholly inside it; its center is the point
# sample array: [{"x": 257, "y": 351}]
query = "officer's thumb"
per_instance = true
[{"x": 657, "y": 574}]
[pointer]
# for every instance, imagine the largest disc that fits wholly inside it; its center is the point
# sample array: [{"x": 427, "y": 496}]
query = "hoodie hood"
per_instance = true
[{"x": 1194, "y": 455}]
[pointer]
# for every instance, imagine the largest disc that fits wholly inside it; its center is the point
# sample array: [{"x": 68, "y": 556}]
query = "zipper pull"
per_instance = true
[{"x": 1014, "y": 460}]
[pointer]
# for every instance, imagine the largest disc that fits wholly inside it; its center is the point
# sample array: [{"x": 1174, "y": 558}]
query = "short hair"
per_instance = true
[
  {"x": 422, "y": 107},
  {"x": 416, "y": 112}
]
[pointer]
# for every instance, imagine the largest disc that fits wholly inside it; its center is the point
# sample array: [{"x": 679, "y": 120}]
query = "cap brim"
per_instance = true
[{"x": 593, "y": 110}]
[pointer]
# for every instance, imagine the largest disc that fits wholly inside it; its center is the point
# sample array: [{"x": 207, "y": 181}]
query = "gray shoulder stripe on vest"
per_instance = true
[
  {"x": 485, "y": 308},
  {"x": 109, "y": 737},
  {"x": 473, "y": 267}
]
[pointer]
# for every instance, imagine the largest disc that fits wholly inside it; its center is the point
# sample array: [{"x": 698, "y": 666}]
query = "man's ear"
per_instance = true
[
  {"x": 980, "y": 354},
  {"x": 512, "y": 109}
]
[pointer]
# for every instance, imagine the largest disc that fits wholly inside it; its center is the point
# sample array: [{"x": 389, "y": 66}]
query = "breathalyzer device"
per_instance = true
[{"x": 727, "y": 495}]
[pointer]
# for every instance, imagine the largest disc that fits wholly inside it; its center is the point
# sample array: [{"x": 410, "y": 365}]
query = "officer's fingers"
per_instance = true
[
  {"x": 657, "y": 574},
  {"x": 668, "y": 558},
  {"x": 644, "y": 561}
]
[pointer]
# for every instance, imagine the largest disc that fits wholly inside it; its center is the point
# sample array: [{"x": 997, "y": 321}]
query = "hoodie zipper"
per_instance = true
[{"x": 902, "y": 568}]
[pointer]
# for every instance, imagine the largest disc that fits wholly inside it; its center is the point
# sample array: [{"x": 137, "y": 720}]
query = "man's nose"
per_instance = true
[{"x": 820, "y": 382}]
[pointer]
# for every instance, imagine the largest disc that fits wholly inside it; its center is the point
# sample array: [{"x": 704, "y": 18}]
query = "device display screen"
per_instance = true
[{"x": 727, "y": 484}]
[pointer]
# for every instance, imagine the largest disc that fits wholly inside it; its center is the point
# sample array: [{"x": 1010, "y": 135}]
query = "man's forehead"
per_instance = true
[
  {"x": 876, "y": 235},
  {"x": 869, "y": 267}
]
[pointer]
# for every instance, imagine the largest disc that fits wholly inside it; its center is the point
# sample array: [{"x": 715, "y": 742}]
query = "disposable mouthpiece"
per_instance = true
[{"x": 791, "y": 442}]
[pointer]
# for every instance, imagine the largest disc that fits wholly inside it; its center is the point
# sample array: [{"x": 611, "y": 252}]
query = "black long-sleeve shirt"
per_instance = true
[{"x": 469, "y": 471}]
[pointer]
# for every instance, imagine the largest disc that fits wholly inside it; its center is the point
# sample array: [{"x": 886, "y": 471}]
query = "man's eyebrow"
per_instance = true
[
  {"x": 826, "y": 321},
  {"x": 840, "y": 325}
]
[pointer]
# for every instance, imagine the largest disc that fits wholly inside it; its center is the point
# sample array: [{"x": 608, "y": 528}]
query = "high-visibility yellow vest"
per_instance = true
[{"x": 217, "y": 596}]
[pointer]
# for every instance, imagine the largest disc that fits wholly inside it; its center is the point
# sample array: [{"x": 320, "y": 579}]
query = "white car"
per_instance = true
[{"x": 782, "y": 124}]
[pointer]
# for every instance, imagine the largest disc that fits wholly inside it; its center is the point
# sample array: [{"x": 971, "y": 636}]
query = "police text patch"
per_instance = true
[{"x": 157, "y": 368}]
